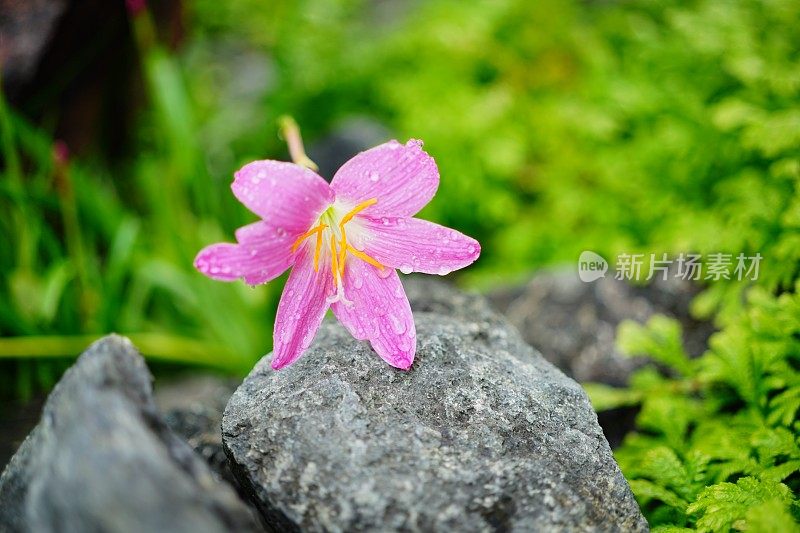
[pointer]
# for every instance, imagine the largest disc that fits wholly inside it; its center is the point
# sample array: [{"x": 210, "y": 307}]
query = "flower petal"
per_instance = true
[
  {"x": 402, "y": 177},
  {"x": 262, "y": 254},
  {"x": 415, "y": 245},
  {"x": 301, "y": 309},
  {"x": 286, "y": 195},
  {"x": 379, "y": 312}
]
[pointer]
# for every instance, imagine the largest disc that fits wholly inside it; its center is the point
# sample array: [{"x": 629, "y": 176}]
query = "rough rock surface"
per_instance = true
[
  {"x": 574, "y": 323},
  {"x": 481, "y": 434},
  {"x": 101, "y": 459},
  {"x": 192, "y": 408}
]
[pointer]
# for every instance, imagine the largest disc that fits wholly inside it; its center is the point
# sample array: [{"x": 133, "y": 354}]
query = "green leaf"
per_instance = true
[
  {"x": 659, "y": 339},
  {"x": 605, "y": 397},
  {"x": 722, "y": 505}
]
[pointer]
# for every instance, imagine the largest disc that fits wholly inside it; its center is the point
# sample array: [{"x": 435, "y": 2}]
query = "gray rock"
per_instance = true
[
  {"x": 192, "y": 407},
  {"x": 481, "y": 434},
  {"x": 101, "y": 459},
  {"x": 574, "y": 323},
  {"x": 25, "y": 29}
]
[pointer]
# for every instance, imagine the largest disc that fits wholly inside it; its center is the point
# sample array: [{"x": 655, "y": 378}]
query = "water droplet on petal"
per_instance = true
[
  {"x": 308, "y": 338},
  {"x": 385, "y": 273},
  {"x": 470, "y": 249},
  {"x": 406, "y": 269},
  {"x": 398, "y": 326},
  {"x": 374, "y": 176},
  {"x": 398, "y": 292},
  {"x": 358, "y": 282},
  {"x": 443, "y": 270}
]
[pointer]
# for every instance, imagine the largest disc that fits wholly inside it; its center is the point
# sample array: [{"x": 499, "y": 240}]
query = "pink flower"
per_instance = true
[{"x": 343, "y": 242}]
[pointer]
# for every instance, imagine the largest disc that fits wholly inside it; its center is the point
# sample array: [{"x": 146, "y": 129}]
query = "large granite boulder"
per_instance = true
[
  {"x": 101, "y": 459},
  {"x": 481, "y": 434}
]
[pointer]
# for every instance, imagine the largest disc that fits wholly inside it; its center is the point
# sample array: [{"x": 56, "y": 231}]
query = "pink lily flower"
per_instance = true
[{"x": 343, "y": 242}]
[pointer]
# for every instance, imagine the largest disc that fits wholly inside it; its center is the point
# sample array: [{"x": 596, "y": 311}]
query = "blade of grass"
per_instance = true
[{"x": 155, "y": 346}]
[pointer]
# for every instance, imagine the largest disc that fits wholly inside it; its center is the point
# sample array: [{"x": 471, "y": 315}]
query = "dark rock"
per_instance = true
[
  {"x": 192, "y": 408},
  {"x": 101, "y": 459},
  {"x": 26, "y": 27},
  {"x": 574, "y": 323},
  {"x": 17, "y": 420},
  {"x": 481, "y": 434},
  {"x": 349, "y": 138}
]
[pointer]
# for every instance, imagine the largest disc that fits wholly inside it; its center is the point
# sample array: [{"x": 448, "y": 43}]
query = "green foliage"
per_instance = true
[
  {"x": 85, "y": 254},
  {"x": 717, "y": 445},
  {"x": 558, "y": 126}
]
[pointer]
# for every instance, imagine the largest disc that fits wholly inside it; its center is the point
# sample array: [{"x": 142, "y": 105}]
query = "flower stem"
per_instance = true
[{"x": 291, "y": 133}]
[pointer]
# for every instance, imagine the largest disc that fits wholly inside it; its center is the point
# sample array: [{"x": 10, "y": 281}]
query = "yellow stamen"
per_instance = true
[
  {"x": 364, "y": 257},
  {"x": 334, "y": 264},
  {"x": 317, "y": 251},
  {"x": 356, "y": 210},
  {"x": 343, "y": 250},
  {"x": 307, "y": 234}
]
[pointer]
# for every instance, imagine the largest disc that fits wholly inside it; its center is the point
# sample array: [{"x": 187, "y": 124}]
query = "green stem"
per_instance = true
[
  {"x": 7, "y": 139},
  {"x": 156, "y": 346},
  {"x": 291, "y": 133},
  {"x": 72, "y": 229}
]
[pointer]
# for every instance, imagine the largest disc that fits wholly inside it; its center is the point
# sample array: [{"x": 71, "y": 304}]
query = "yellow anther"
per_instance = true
[
  {"x": 356, "y": 210},
  {"x": 364, "y": 257},
  {"x": 307, "y": 234}
]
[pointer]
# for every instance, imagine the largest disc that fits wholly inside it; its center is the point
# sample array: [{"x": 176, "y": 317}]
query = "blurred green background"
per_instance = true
[{"x": 558, "y": 126}]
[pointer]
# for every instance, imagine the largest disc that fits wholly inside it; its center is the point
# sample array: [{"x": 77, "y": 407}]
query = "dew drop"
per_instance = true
[
  {"x": 385, "y": 273},
  {"x": 406, "y": 269},
  {"x": 374, "y": 176},
  {"x": 398, "y": 292},
  {"x": 443, "y": 270},
  {"x": 308, "y": 337},
  {"x": 358, "y": 282},
  {"x": 398, "y": 326},
  {"x": 214, "y": 270},
  {"x": 470, "y": 249},
  {"x": 253, "y": 252}
]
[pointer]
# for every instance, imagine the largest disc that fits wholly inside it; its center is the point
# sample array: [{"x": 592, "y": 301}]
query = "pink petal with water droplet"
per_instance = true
[
  {"x": 380, "y": 312},
  {"x": 301, "y": 309},
  {"x": 285, "y": 195},
  {"x": 402, "y": 177},
  {"x": 262, "y": 254},
  {"x": 415, "y": 245}
]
